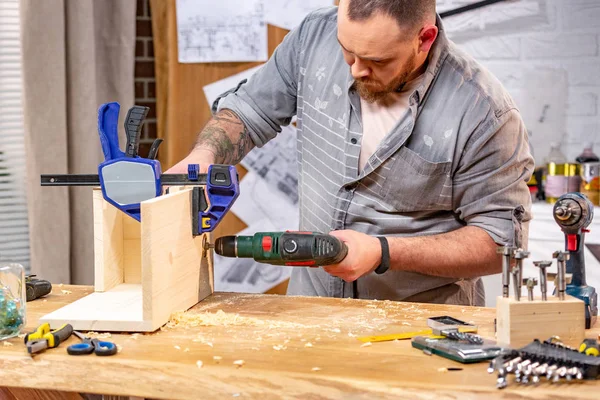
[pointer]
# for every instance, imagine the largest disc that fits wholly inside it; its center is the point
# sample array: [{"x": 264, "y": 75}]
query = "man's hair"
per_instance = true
[{"x": 408, "y": 13}]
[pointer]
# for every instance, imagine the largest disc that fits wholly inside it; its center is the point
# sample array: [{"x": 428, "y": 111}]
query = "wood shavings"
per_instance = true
[
  {"x": 209, "y": 344},
  {"x": 217, "y": 359},
  {"x": 119, "y": 348},
  {"x": 442, "y": 369},
  {"x": 98, "y": 335},
  {"x": 279, "y": 347},
  {"x": 220, "y": 318},
  {"x": 186, "y": 350},
  {"x": 66, "y": 291},
  {"x": 239, "y": 363},
  {"x": 22, "y": 336},
  {"x": 60, "y": 285},
  {"x": 45, "y": 300},
  {"x": 315, "y": 369},
  {"x": 367, "y": 344},
  {"x": 407, "y": 323},
  {"x": 255, "y": 348},
  {"x": 309, "y": 344},
  {"x": 177, "y": 347},
  {"x": 7, "y": 344},
  {"x": 199, "y": 364},
  {"x": 350, "y": 334},
  {"x": 134, "y": 336}
]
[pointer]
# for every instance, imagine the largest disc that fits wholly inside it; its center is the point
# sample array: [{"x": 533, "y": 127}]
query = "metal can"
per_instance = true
[
  {"x": 556, "y": 182},
  {"x": 590, "y": 181}
]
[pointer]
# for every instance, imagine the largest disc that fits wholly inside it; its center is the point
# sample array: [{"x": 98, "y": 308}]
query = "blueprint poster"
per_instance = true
[
  {"x": 288, "y": 14},
  {"x": 221, "y": 31}
]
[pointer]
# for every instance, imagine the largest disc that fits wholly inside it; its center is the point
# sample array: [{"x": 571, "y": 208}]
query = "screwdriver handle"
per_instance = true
[{"x": 133, "y": 129}]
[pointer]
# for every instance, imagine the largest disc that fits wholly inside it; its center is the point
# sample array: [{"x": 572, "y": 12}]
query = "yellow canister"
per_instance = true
[{"x": 590, "y": 181}]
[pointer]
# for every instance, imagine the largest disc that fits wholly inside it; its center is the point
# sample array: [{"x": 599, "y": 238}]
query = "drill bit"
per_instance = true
[
  {"x": 561, "y": 286},
  {"x": 506, "y": 252},
  {"x": 519, "y": 256},
  {"x": 516, "y": 283},
  {"x": 530, "y": 283},
  {"x": 542, "y": 265}
]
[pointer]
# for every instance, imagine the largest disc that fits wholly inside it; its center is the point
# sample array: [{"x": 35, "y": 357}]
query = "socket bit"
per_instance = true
[
  {"x": 511, "y": 365},
  {"x": 561, "y": 261},
  {"x": 530, "y": 283},
  {"x": 507, "y": 252},
  {"x": 519, "y": 256},
  {"x": 542, "y": 265},
  {"x": 516, "y": 283}
]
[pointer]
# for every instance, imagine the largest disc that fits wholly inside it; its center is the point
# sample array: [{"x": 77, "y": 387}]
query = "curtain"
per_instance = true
[{"x": 77, "y": 54}]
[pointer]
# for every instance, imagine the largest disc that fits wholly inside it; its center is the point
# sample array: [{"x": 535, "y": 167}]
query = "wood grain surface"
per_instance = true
[{"x": 270, "y": 334}]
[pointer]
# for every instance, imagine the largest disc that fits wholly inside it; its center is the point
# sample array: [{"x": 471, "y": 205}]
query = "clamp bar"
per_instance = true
[{"x": 94, "y": 180}]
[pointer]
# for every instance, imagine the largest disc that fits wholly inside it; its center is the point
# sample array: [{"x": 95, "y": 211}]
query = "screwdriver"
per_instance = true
[
  {"x": 288, "y": 248},
  {"x": 45, "y": 338}
]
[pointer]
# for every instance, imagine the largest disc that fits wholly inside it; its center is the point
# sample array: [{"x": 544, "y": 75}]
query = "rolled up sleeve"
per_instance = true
[
  {"x": 268, "y": 100},
  {"x": 490, "y": 184}
]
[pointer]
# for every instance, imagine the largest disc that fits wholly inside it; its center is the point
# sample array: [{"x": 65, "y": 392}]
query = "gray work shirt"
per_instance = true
[{"x": 458, "y": 157}]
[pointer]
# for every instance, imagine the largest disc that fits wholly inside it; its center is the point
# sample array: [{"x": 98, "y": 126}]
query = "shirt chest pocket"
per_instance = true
[{"x": 416, "y": 184}]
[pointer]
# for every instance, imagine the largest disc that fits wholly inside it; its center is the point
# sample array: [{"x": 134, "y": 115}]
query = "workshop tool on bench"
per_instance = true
[
  {"x": 507, "y": 252},
  {"x": 549, "y": 359},
  {"x": 45, "y": 338},
  {"x": 36, "y": 288},
  {"x": 89, "y": 346},
  {"x": 574, "y": 212},
  {"x": 543, "y": 265},
  {"x": 458, "y": 350},
  {"x": 436, "y": 324},
  {"x": 530, "y": 283},
  {"x": 590, "y": 347},
  {"x": 561, "y": 264},
  {"x": 290, "y": 248},
  {"x": 127, "y": 180},
  {"x": 519, "y": 255}
]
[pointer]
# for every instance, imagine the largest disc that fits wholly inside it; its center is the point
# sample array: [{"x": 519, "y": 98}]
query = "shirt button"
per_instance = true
[{"x": 353, "y": 140}]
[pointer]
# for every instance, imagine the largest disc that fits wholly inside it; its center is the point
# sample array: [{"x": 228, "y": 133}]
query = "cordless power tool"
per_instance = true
[
  {"x": 309, "y": 249},
  {"x": 574, "y": 212}
]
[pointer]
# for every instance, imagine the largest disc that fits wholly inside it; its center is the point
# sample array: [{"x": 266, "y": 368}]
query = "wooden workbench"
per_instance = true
[{"x": 270, "y": 334}]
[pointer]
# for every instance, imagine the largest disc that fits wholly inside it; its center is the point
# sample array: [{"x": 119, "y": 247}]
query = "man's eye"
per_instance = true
[{"x": 378, "y": 62}]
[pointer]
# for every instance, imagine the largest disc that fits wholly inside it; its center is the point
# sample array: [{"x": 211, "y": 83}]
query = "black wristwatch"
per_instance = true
[{"x": 385, "y": 256}]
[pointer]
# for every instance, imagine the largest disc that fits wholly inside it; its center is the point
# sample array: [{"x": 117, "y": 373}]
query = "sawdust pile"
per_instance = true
[{"x": 221, "y": 318}]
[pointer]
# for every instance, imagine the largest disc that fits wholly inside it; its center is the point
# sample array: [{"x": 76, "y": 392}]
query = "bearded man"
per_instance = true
[{"x": 409, "y": 151}]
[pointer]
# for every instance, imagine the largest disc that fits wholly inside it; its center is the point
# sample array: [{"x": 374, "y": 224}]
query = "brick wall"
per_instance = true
[
  {"x": 520, "y": 41},
  {"x": 145, "y": 80}
]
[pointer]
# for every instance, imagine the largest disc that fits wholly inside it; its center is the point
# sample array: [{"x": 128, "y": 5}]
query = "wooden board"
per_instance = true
[
  {"x": 162, "y": 264},
  {"x": 108, "y": 243},
  {"x": 152, "y": 366},
  {"x": 173, "y": 277},
  {"x": 118, "y": 309},
  {"x": 519, "y": 322}
]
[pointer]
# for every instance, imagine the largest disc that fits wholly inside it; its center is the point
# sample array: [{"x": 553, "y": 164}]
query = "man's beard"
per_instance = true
[{"x": 372, "y": 92}]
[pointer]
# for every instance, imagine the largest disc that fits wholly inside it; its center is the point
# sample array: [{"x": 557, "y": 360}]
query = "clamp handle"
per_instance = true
[{"x": 133, "y": 128}]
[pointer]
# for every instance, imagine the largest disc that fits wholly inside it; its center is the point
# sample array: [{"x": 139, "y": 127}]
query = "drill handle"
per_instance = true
[{"x": 576, "y": 262}]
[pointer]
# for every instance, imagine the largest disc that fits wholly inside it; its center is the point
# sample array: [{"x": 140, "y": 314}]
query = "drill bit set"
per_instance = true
[
  {"x": 520, "y": 321},
  {"x": 549, "y": 359},
  {"x": 519, "y": 255}
]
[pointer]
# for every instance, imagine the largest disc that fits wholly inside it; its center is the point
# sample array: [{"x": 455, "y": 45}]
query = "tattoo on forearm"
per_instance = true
[{"x": 226, "y": 136}]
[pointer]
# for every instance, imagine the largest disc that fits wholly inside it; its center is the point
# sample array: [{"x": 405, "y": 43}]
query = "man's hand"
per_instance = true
[
  {"x": 364, "y": 255},
  {"x": 203, "y": 158}
]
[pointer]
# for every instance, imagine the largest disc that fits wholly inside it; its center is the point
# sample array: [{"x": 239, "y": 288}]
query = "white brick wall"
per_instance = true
[{"x": 515, "y": 38}]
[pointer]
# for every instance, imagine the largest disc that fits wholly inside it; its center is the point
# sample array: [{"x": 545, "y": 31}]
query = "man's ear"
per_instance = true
[{"x": 427, "y": 37}]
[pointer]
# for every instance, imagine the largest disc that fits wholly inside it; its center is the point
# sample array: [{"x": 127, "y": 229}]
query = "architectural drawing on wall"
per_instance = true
[
  {"x": 276, "y": 163},
  {"x": 288, "y": 14},
  {"x": 222, "y": 31}
]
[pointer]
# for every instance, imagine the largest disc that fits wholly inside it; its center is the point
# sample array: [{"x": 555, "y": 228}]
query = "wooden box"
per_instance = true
[
  {"x": 519, "y": 322},
  {"x": 144, "y": 271}
]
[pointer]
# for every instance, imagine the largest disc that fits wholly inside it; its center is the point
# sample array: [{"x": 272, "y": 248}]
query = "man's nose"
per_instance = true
[{"x": 359, "y": 69}]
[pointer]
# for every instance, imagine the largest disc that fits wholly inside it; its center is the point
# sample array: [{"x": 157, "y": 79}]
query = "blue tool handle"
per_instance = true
[
  {"x": 80, "y": 349},
  {"x": 105, "y": 348},
  {"x": 133, "y": 129},
  {"x": 108, "y": 118}
]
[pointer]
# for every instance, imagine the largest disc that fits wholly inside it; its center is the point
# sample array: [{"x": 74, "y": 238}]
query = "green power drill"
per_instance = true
[{"x": 305, "y": 249}]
